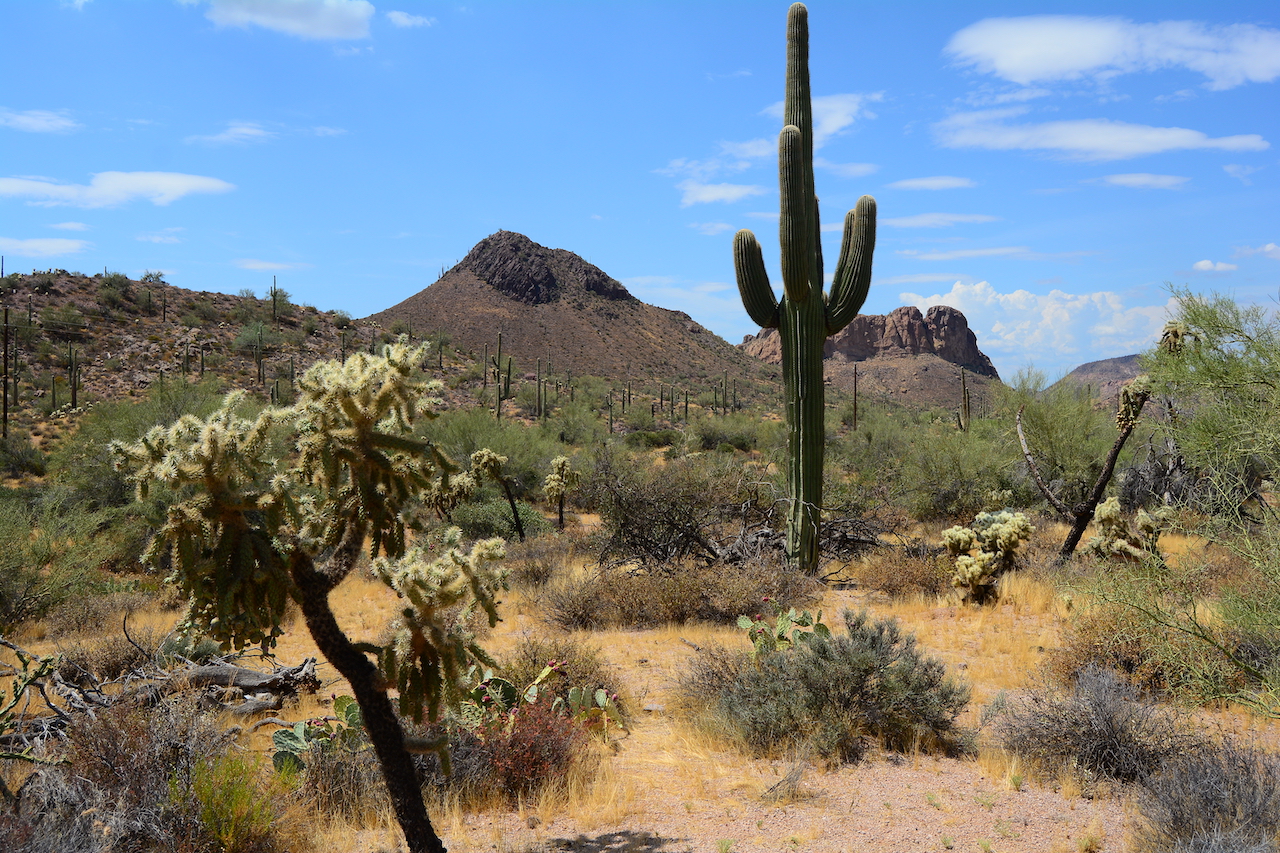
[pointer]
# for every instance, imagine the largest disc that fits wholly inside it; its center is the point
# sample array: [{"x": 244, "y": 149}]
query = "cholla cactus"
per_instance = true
[
  {"x": 985, "y": 551},
  {"x": 558, "y": 483},
  {"x": 1133, "y": 396},
  {"x": 1115, "y": 537}
]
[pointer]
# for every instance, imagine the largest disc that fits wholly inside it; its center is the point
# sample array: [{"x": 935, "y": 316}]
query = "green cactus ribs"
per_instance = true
[{"x": 804, "y": 316}]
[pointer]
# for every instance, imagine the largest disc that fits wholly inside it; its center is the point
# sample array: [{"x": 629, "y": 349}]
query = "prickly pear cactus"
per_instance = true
[{"x": 804, "y": 317}]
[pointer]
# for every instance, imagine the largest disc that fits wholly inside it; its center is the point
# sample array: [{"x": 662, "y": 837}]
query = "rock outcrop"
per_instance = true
[
  {"x": 943, "y": 332},
  {"x": 521, "y": 269}
]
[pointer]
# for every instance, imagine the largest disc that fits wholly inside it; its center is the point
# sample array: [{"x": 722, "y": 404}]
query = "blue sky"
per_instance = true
[{"x": 1044, "y": 168}]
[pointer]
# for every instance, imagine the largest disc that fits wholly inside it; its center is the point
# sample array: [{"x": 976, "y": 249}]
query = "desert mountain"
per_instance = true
[
  {"x": 1106, "y": 377},
  {"x": 912, "y": 357},
  {"x": 552, "y": 304}
]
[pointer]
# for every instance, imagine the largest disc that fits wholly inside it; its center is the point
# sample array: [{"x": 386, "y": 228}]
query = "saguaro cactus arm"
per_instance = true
[
  {"x": 853, "y": 270},
  {"x": 753, "y": 281}
]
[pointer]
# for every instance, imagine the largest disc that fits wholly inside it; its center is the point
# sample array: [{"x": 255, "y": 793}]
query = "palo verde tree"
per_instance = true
[
  {"x": 254, "y": 530},
  {"x": 804, "y": 317}
]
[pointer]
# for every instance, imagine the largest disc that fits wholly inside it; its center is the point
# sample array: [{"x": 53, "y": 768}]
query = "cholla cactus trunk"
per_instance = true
[{"x": 803, "y": 317}]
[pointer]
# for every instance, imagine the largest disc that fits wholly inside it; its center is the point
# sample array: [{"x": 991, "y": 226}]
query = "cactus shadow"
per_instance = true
[{"x": 614, "y": 842}]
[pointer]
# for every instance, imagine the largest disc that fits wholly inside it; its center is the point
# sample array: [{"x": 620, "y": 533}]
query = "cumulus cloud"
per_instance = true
[
  {"x": 108, "y": 189},
  {"x": 936, "y": 220},
  {"x": 255, "y": 264},
  {"x": 694, "y": 192},
  {"x": 1210, "y": 266},
  {"x": 937, "y": 182},
  {"x": 1270, "y": 250},
  {"x": 711, "y": 228},
  {"x": 308, "y": 19},
  {"x": 1055, "y": 330},
  {"x": 1146, "y": 181},
  {"x": 37, "y": 121},
  {"x": 1080, "y": 139},
  {"x": 833, "y": 114},
  {"x": 405, "y": 20},
  {"x": 70, "y": 226},
  {"x": 237, "y": 133},
  {"x": 1050, "y": 48},
  {"x": 42, "y": 247}
]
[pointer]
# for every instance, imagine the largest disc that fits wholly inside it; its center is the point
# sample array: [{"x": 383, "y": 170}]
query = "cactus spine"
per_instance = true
[{"x": 803, "y": 317}]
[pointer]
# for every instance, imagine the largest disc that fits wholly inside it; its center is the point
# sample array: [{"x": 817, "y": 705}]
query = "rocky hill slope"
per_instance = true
[
  {"x": 1104, "y": 378},
  {"x": 550, "y": 304}
]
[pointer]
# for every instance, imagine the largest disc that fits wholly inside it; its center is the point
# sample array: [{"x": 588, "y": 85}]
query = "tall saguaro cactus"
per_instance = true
[{"x": 804, "y": 317}]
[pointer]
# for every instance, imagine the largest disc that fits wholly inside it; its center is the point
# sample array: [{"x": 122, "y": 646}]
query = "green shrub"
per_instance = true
[
  {"x": 529, "y": 452},
  {"x": 18, "y": 456},
  {"x": 831, "y": 695},
  {"x": 484, "y": 519},
  {"x": 578, "y": 665},
  {"x": 655, "y": 438},
  {"x": 341, "y": 320},
  {"x": 255, "y": 336}
]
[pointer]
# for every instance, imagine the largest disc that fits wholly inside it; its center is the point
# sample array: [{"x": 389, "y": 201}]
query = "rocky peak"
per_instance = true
[
  {"x": 523, "y": 270},
  {"x": 943, "y": 331}
]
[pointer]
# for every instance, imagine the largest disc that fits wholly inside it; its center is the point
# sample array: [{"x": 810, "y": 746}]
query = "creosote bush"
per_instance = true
[{"x": 831, "y": 696}]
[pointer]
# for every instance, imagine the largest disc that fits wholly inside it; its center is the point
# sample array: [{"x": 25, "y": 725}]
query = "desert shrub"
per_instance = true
[
  {"x": 739, "y": 431},
  {"x": 535, "y": 561},
  {"x": 578, "y": 665},
  {"x": 460, "y": 433},
  {"x": 65, "y": 322},
  {"x": 536, "y": 749},
  {"x": 574, "y": 422},
  {"x": 655, "y": 438},
  {"x": 905, "y": 571},
  {"x": 1224, "y": 797},
  {"x": 108, "y": 657},
  {"x": 615, "y": 597},
  {"x": 19, "y": 456},
  {"x": 485, "y": 519},
  {"x": 833, "y": 695},
  {"x": 950, "y": 473},
  {"x": 202, "y": 312},
  {"x": 256, "y": 336},
  {"x": 343, "y": 780},
  {"x": 145, "y": 779},
  {"x": 341, "y": 320},
  {"x": 115, "y": 290},
  {"x": 1099, "y": 728}
]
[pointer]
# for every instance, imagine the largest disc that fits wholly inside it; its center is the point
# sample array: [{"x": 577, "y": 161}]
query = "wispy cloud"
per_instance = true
[
  {"x": 321, "y": 130},
  {"x": 833, "y": 114},
  {"x": 237, "y": 133},
  {"x": 1270, "y": 250},
  {"x": 108, "y": 189},
  {"x": 168, "y": 235},
  {"x": 404, "y": 20},
  {"x": 255, "y": 264},
  {"x": 693, "y": 192},
  {"x": 42, "y": 247},
  {"x": 70, "y": 226},
  {"x": 1241, "y": 173},
  {"x": 38, "y": 121},
  {"x": 741, "y": 72},
  {"x": 936, "y": 220},
  {"x": 1080, "y": 139},
  {"x": 920, "y": 278},
  {"x": 711, "y": 228},
  {"x": 1146, "y": 181},
  {"x": 1051, "y": 48},
  {"x": 937, "y": 182},
  {"x": 1020, "y": 253},
  {"x": 308, "y": 19},
  {"x": 1210, "y": 266},
  {"x": 846, "y": 170}
]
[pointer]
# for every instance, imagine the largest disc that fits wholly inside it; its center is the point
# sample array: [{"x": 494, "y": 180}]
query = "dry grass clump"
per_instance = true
[
  {"x": 659, "y": 595},
  {"x": 535, "y": 561},
  {"x": 1098, "y": 729},
  {"x": 578, "y": 665},
  {"x": 109, "y": 656},
  {"x": 913, "y": 569}
]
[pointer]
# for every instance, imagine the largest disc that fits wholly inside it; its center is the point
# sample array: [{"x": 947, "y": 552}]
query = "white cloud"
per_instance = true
[
  {"x": 752, "y": 149},
  {"x": 1270, "y": 250},
  {"x": 168, "y": 235},
  {"x": 1056, "y": 329},
  {"x": 237, "y": 133},
  {"x": 37, "y": 121},
  {"x": 832, "y": 114},
  {"x": 42, "y": 247},
  {"x": 846, "y": 170},
  {"x": 711, "y": 228},
  {"x": 309, "y": 19},
  {"x": 1080, "y": 139},
  {"x": 694, "y": 192},
  {"x": 107, "y": 189},
  {"x": 1146, "y": 181},
  {"x": 1241, "y": 173},
  {"x": 404, "y": 19},
  {"x": 938, "y": 182},
  {"x": 1048, "y": 48},
  {"x": 254, "y": 264},
  {"x": 321, "y": 130},
  {"x": 70, "y": 226},
  {"x": 1210, "y": 266},
  {"x": 936, "y": 220}
]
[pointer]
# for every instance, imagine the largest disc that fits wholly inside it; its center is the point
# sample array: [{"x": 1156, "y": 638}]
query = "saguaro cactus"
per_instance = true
[{"x": 804, "y": 317}]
